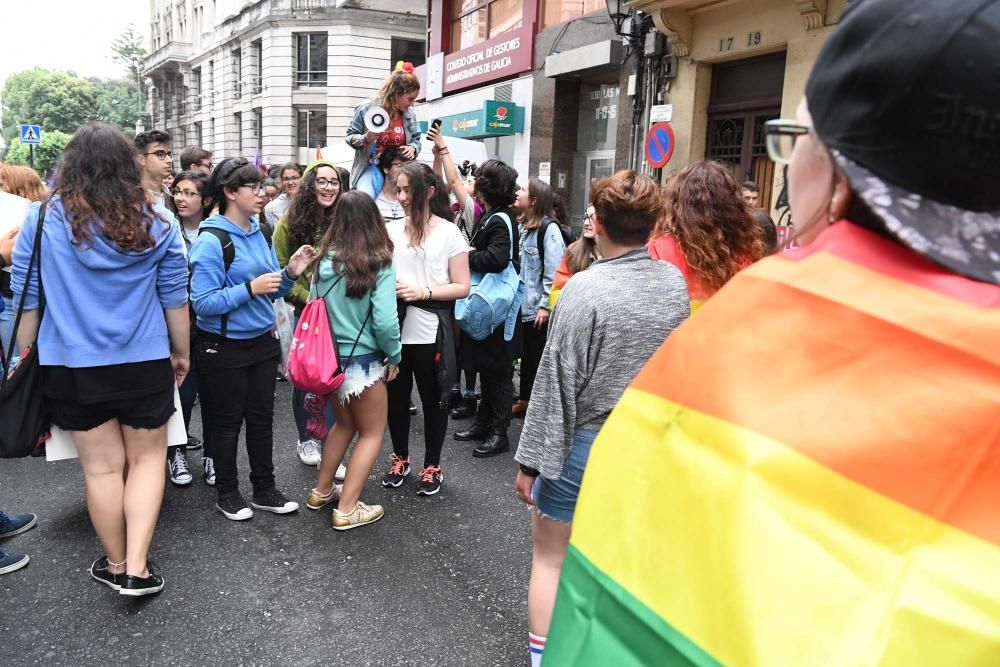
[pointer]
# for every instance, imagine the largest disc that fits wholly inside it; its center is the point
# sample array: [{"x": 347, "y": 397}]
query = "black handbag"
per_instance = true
[{"x": 24, "y": 419}]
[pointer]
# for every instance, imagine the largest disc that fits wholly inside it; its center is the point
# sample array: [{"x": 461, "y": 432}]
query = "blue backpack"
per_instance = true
[{"x": 494, "y": 299}]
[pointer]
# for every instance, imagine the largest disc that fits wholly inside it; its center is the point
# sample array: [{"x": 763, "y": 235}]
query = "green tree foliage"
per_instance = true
[
  {"x": 118, "y": 103},
  {"x": 58, "y": 101},
  {"x": 129, "y": 51},
  {"x": 46, "y": 154}
]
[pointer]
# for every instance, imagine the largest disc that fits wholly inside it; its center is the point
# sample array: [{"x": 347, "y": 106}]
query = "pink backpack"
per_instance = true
[{"x": 314, "y": 364}]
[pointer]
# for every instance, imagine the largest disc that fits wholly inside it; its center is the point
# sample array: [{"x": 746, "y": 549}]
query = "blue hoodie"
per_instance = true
[
  {"x": 104, "y": 306},
  {"x": 215, "y": 293}
]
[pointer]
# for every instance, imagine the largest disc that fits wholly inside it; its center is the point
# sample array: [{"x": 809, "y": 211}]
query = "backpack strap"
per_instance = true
[
  {"x": 510, "y": 231},
  {"x": 540, "y": 238},
  {"x": 228, "y": 256}
]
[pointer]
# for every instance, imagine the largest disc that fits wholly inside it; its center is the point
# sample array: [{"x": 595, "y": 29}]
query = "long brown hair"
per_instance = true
[
  {"x": 359, "y": 242},
  {"x": 420, "y": 184},
  {"x": 714, "y": 227},
  {"x": 542, "y": 194},
  {"x": 23, "y": 182},
  {"x": 100, "y": 186},
  {"x": 308, "y": 221},
  {"x": 580, "y": 254},
  {"x": 397, "y": 84}
]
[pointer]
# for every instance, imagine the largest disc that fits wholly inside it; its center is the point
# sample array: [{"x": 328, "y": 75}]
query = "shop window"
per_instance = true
[
  {"x": 555, "y": 12},
  {"x": 311, "y": 128},
  {"x": 310, "y": 58},
  {"x": 476, "y": 21}
]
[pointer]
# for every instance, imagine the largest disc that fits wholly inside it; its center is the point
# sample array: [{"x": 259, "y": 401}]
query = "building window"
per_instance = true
[
  {"x": 198, "y": 138},
  {"x": 555, "y": 12},
  {"x": 311, "y": 128},
  {"x": 257, "y": 49},
  {"x": 237, "y": 73},
  {"x": 478, "y": 20},
  {"x": 210, "y": 88},
  {"x": 238, "y": 123},
  {"x": 310, "y": 50},
  {"x": 196, "y": 87},
  {"x": 258, "y": 128},
  {"x": 407, "y": 50}
]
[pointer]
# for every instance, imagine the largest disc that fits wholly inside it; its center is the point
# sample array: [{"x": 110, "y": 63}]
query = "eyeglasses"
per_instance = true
[
  {"x": 162, "y": 155},
  {"x": 186, "y": 194},
  {"x": 206, "y": 165},
  {"x": 290, "y": 179},
  {"x": 255, "y": 188},
  {"x": 323, "y": 183},
  {"x": 780, "y": 135}
]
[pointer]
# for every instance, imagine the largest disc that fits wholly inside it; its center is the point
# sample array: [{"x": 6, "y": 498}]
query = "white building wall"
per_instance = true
[{"x": 358, "y": 48}]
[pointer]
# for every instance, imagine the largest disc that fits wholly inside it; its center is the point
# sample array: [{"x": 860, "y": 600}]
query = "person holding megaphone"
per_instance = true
[{"x": 385, "y": 121}]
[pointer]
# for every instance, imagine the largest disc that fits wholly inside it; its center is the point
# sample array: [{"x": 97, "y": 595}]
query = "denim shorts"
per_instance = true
[
  {"x": 362, "y": 371},
  {"x": 556, "y": 498}
]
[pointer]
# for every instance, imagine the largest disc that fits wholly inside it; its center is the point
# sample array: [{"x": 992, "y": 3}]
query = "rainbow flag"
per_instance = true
[{"x": 806, "y": 473}]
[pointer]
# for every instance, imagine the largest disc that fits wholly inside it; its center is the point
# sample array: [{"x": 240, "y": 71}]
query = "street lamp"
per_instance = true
[{"x": 619, "y": 13}]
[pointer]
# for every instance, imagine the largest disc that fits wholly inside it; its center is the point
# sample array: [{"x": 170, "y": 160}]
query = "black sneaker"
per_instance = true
[
  {"x": 430, "y": 481},
  {"x": 135, "y": 586},
  {"x": 193, "y": 443},
  {"x": 398, "y": 469},
  {"x": 272, "y": 501},
  {"x": 234, "y": 507},
  {"x": 101, "y": 572}
]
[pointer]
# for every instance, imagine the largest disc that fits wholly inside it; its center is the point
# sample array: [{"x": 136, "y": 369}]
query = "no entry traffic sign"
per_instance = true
[{"x": 659, "y": 144}]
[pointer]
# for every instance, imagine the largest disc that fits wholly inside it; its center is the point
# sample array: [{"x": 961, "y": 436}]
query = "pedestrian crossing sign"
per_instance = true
[{"x": 31, "y": 134}]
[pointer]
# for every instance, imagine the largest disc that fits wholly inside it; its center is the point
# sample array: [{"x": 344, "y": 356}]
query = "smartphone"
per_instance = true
[{"x": 436, "y": 122}]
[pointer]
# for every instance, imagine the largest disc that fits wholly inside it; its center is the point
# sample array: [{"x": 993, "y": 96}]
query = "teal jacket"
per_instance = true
[{"x": 381, "y": 333}]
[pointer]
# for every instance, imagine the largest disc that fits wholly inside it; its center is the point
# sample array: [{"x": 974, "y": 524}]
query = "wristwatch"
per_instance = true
[{"x": 530, "y": 472}]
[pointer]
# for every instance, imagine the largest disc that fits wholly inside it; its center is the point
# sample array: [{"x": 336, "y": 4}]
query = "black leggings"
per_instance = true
[
  {"x": 534, "y": 345},
  {"x": 240, "y": 382},
  {"x": 417, "y": 361}
]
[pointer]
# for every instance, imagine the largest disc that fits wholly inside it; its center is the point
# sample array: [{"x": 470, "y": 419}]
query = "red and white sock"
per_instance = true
[{"x": 536, "y": 645}]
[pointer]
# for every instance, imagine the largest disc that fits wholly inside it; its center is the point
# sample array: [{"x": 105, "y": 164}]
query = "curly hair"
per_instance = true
[
  {"x": 397, "y": 84},
  {"x": 100, "y": 186},
  {"x": 359, "y": 241},
  {"x": 496, "y": 184},
  {"x": 714, "y": 227},
  {"x": 307, "y": 221},
  {"x": 628, "y": 205},
  {"x": 23, "y": 182}
]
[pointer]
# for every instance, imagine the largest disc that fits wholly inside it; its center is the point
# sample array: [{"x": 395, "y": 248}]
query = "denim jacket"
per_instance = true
[
  {"x": 537, "y": 286},
  {"x": 362, "y": 152}
]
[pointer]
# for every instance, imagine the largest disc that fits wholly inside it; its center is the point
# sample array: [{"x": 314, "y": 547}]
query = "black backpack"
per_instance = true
[
  {"x": 229, "y": 256},
  {"x": 567, "y": 234}
]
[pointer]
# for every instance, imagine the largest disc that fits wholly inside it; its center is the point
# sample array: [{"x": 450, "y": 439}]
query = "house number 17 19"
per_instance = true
[{"x": 729, "y": 43}]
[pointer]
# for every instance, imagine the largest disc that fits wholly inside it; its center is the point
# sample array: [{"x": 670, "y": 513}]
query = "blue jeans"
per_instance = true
[
  {"x": 7, "y": 331},
  {"x": 556, "y": 498}
]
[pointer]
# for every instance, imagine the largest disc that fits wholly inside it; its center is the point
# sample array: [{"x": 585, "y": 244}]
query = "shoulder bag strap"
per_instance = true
[{"x": 35, "y": 260}]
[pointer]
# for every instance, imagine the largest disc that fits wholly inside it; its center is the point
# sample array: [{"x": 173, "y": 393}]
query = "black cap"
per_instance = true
[{"x": 906, "y": 94}]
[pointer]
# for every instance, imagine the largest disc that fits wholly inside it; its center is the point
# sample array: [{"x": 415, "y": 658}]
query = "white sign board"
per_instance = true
[
  {"x": 659, "y": 113},
  {"x": 544, "y": 171}
]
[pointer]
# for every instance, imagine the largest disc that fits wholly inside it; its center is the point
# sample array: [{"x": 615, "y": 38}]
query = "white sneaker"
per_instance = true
[
  {"x": 341, "y": 473},
  {"x": 209, "y": 468},
  {"x": 309, "y": 452},
  {"x": 180, "y": 474}
]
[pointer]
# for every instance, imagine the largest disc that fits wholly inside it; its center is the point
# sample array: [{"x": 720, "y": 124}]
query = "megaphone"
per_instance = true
[{"x": 376, "y": 119}]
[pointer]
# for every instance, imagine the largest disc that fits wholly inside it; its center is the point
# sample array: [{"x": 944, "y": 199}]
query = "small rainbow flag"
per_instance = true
[{"x": 806, "y": 473}]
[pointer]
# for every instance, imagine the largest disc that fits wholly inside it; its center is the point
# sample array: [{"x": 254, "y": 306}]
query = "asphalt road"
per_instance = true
[{"x": 438, "y": 581}]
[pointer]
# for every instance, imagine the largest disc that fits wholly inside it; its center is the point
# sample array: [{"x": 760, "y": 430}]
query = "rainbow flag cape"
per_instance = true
[{"x": 806, "y": 473}]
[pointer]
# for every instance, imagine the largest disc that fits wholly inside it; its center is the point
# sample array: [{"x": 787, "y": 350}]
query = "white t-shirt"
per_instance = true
[{"x": 424, "y": 266}]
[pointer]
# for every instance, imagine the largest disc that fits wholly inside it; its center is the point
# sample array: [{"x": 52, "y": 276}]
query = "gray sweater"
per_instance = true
[{"x": 610, "y": 320}]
